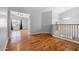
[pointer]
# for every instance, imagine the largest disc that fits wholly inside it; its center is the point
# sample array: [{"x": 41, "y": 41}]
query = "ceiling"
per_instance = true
[
  {"x": 41, "y": 9},
  {"x": 60, "y": 10},
  {"x": 31, "y": 9},
  {"x": 71, "y": 13}
]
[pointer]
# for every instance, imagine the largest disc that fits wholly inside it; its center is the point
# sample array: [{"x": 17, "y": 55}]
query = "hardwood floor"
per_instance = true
[{"x": 21, "y": 41}]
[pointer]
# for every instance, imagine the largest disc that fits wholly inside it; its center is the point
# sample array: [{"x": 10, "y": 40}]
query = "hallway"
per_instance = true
[{"x": 38, "y": 42}]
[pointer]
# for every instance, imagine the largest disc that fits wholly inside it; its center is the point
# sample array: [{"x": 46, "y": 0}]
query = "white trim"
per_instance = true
[
  {"x": 71, "y": 40},
  {"x": 6, "y": 44}
]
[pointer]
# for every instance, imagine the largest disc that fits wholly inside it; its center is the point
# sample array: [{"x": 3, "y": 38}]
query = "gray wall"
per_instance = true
[
  {"x": 35, "y": 22},
  {"x": 41, "y": 22},
  {"x": 47, "y": 21},
  {"x": 3, "y": 28}
]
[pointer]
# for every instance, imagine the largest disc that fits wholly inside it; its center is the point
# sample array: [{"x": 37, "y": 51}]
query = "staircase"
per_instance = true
[{"x": 67, "y": 31}]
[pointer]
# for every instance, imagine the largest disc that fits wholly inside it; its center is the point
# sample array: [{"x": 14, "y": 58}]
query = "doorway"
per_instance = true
[
  {"x": 16, "y": 25},
  {"x": 19, "y": 22}
]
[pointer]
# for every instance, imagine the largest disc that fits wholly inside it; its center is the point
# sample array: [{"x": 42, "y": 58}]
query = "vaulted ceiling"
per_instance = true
[{"x": 74, "y": 13}]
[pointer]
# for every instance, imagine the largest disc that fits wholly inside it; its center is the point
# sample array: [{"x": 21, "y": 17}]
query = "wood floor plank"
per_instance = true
[{"x": 39, "y": 42}]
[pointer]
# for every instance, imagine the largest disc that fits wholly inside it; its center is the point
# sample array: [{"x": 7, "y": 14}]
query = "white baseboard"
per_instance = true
[
  {"x": 6, "y": 44},
  {"x": 39, "y": 33}
]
